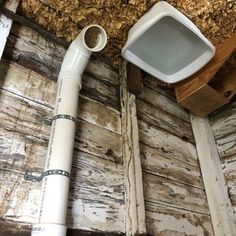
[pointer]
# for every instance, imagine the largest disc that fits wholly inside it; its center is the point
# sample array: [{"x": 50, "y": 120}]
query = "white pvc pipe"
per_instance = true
[{"x": 53, "y": 206}]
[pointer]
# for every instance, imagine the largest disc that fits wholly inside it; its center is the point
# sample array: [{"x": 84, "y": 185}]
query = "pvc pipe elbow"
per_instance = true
[{"x": 92, "y": 38}]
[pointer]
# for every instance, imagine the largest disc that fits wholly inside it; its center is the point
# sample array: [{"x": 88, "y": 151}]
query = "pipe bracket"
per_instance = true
[
  {"x": 29, "y": 176},
  {"x": 64, "y": 116}
]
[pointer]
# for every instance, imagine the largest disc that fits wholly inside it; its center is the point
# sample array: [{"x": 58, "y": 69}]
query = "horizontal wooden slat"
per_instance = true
[
  {"x": 20, "y": 199},
  {"x": 224, "y": 129},
  {"x": 224, "y": 123},
  {"x": 165, "y": 121},
  {"x": 101, "y": 92},
  {"x": 170, "y": 168},
  {"x": 162, "y": 102},
  {"x": 171, "y": 193},
  {"x": 33, "y": 86},
  {"x": 168, "y": 145},
  {"x": 158, "y": 86},
  {"x": 11, "y": 228},
  {"x": 166, "y": 221},
  {"x": 27, "y": 45},
  {"x": 32, "y": 122},
  {"x": 229, "y": 170}
]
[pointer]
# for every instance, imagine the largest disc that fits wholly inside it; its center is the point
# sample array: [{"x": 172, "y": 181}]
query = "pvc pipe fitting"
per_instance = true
[{"x": 55, "y": 189}]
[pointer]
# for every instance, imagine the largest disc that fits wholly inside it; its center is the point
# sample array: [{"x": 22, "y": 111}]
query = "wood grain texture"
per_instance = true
[
  {"x": 167, "y": 221},
  {"x": 203, "y": 76},
  {"x": 229, "y": 167},
  {"x": 165, "y": 103},
  {"x": 167, "y": 144},
  {"x": 204, "y": 101},
  {"x": 158, "y": 163},
  {"x": 29, "y": 119},
  {"x": 33, "y": 52},
  {"x": 34, "y": 86},
  {"x": 6, "y": 23},
  {"x": 161, "y": 119},
  {"x": 220, "y": 207},
  {"x": 96, "y": 201},
  {"x": 171, "y": 193},
  {"x": 175, "y": 200},
  {"x": 20, "y": 200},
  {"x": 224, "y": 129},
  {"x": 23, "y": 149},
  {"x": 134, "y": 198},
  {"x": 50, "y": 55}
]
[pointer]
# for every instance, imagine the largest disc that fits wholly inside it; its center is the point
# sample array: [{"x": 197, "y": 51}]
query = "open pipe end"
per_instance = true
[{"x": 94, "y": 38}]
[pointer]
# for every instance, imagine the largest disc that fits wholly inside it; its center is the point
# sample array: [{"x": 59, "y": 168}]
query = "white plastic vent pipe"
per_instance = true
[{"x": 53, "y": 206}]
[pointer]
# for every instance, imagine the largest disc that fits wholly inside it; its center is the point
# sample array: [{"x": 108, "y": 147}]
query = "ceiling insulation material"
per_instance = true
[{"x": 215, "y": 18}]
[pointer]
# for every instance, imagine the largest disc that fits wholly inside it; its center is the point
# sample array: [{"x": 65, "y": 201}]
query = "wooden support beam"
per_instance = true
[
  {"x": 134, "y": 199},
  {"x": 220, "y": 207},
  {"x": 134, "y": 80},
  {"x": 198, "y": 94},
  {"x": 5, "y": 22},
  {"x": 23, "y": 21}
]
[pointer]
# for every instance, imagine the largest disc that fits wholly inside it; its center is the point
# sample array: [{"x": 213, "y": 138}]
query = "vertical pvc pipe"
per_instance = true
[{"x": 53, "y": 206}]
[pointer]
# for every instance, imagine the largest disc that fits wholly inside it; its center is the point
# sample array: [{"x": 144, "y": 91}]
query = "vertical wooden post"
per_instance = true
[
  {"x": 219, "y": 203},
  {"x": 134, "y": 200},
  {"x": 5, "y": 24}
]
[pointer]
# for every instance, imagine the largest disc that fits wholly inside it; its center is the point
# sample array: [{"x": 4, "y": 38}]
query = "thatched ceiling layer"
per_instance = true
[{"x": 215, "y": 18}]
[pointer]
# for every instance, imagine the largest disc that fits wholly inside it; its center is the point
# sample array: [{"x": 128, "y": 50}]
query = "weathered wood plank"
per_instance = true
[
  {"x": 12, "y": 228},
  {"x": 164, "y": 103},
  {"x": 165, "y": 121},
  {"x": 219, "y": 204},
  {"x": 167, "y": 221},
  {"x": 227, "y": 145},
  {"x": 166, "y": 166},
  {"x": 134, "y": 199},
  {"x": 29, "y": 119},
  {"x": 100, "y": 92},
  {"x": 168, "y": 145},
  {"x": 27, "y": 45},
  {"x": 171, "y": 193},
  {"x": 224, "y": 130},
  {"x": 229, "y": 167},
  {"x": 6, "y": 23},
  {"x": 43, "y": 90},
  {"x": 20, "y": 199},
  {"x": 155, "y": 84}
]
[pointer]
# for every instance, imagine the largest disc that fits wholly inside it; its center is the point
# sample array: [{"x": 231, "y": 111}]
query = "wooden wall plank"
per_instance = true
[
  {"x": 164, "y": 120},
  {"x": 156, "y": 163},
  {"x": 96, "y": 201},
  {"x": 224, "y": 129},
  {"x": 167, "y": 144},
  {"x": 166, "y": 221},
  {"x": 90, "y": 204},
  {"x": 162, "y": 102},
  {"x": 174, "y": 194},
  {"x": 219, "y": 204},
  {"x": 6, "y": 23},
  {"x": 175, "y": 200},
  {"x": 134, "y": 199},
  {"x": 16, "y": 79},
  {"x": 25, "y": 43},
  {"x": 30, "y": 119}
]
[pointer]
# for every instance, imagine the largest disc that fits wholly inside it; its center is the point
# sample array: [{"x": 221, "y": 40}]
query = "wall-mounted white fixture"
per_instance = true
[
  {"x": 167, "y": 45},
  {"x": 56, "y": 178}
]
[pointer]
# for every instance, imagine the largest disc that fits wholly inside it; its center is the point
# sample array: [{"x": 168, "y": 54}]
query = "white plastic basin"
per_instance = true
[{"x": 167, "y": 45}]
